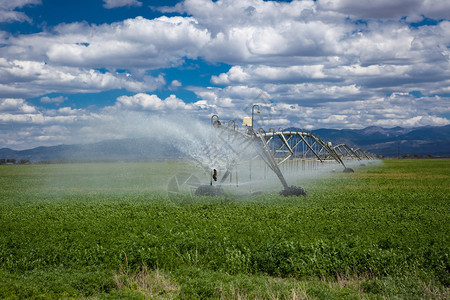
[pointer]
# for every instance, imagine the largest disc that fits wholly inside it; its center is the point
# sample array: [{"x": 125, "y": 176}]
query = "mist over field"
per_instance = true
[
  {"x": 172, "y": 138},
  {"x": 113, "y": 230}
]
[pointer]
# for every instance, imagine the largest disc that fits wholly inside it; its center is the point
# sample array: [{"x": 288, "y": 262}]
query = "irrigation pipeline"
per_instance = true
[{"x": 282, "y": 149}]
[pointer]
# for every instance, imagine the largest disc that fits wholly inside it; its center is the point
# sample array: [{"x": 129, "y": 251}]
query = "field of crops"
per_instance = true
[{"x": 110, "y": 231}]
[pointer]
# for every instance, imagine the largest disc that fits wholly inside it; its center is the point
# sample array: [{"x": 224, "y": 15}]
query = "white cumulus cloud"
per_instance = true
[
  {"x": 56, "y": 100},
  {"x": 120, "y": 3},
  {"x": 150, "y": 102},
  {"x": 326, "y": 63},
  {"x": 386, "y": 9},
  {"x": 8, "y": 14}
]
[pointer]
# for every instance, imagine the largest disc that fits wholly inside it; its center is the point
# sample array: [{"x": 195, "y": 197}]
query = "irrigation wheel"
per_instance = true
[{"x": 182, "y": 187}]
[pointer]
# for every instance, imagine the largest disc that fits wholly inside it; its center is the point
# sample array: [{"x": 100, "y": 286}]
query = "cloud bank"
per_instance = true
[{"x": 336, "y": 64}]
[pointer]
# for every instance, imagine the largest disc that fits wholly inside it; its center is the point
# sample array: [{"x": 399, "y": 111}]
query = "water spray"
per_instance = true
[{"x": 276, "y": 148}]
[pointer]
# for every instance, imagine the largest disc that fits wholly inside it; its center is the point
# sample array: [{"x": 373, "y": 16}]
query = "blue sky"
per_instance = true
[{"x": 69, "y": 70}]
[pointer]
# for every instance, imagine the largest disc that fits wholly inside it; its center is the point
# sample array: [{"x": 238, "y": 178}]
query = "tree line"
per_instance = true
[{"x": 13, "y": 161}]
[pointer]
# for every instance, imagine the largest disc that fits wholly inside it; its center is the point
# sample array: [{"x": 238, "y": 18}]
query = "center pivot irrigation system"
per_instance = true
[{"x": 276, "y": 148}]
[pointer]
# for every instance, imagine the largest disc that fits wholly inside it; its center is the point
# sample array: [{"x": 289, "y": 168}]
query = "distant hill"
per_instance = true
[
  {"x": 389, "y": 142},
  {"x": 109, "y": 150}
]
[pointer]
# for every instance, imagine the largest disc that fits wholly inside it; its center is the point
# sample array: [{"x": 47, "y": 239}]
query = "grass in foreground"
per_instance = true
[{"x": 109, "y": 231}]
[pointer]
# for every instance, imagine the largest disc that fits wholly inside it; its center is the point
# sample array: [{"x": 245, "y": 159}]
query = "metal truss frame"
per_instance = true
[{"x": 276, "y": 147}]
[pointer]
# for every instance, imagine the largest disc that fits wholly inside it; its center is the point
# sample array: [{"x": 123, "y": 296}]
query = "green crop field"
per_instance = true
[{"x": 109, "y": 231}]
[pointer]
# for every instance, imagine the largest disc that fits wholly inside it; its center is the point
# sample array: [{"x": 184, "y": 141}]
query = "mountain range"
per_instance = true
[
  {"x": 387, "y": 142},
  {"x": 393, "y": 142}
]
